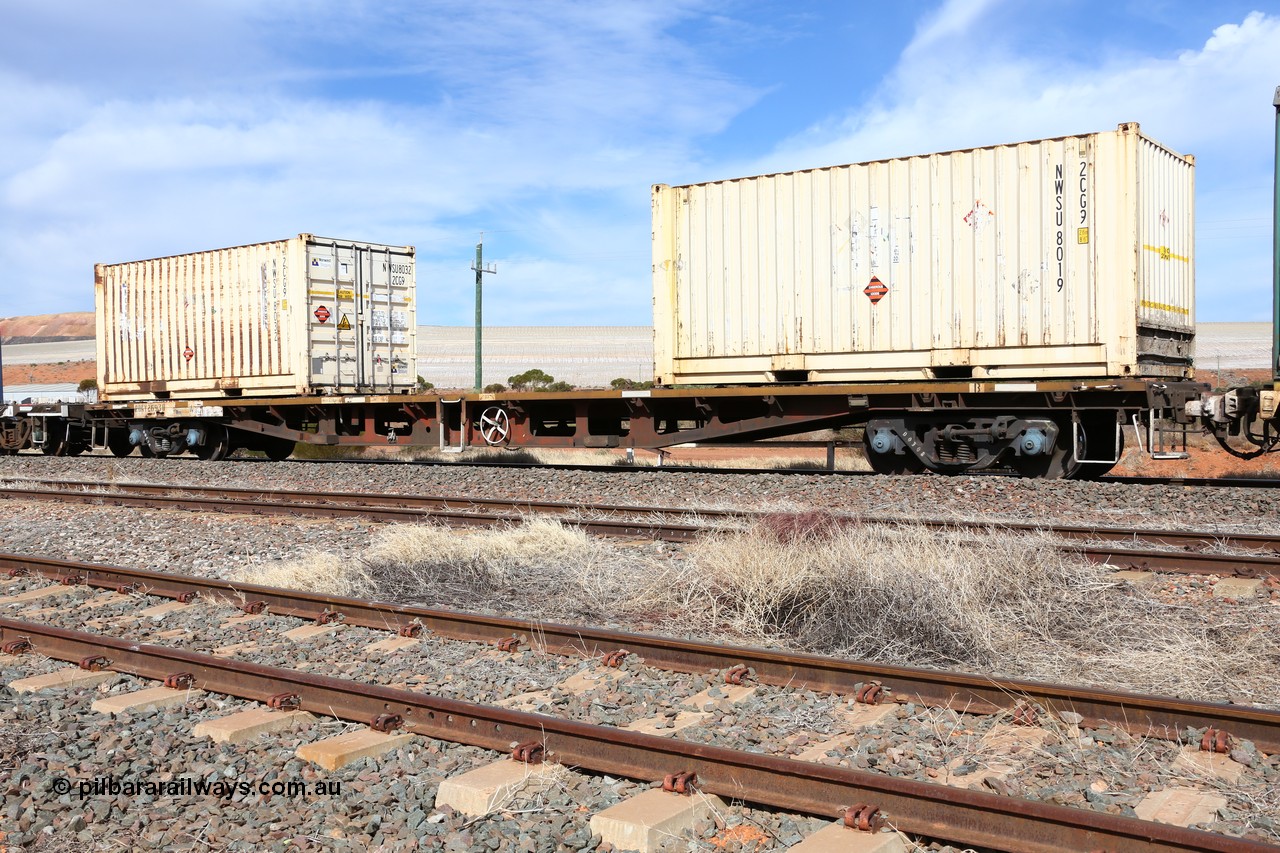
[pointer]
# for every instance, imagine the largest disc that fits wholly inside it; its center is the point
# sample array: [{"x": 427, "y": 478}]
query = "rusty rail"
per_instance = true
[
  {"x": 628, "y": 520},
  {"x": 969, "y": 817},
  {"x": 1140, "y": 714},
  {"x": 275, "y": 506}
]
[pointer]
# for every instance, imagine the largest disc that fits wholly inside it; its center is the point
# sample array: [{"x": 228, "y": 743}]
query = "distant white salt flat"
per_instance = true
[
  {"x": 592, "y": 356},
  {"x": 50, "y": 352},
  {"x": 1233, "y": 346}
]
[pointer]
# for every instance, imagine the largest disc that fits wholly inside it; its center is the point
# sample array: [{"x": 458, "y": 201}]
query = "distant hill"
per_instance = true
[{"x": 48, "y": 327}]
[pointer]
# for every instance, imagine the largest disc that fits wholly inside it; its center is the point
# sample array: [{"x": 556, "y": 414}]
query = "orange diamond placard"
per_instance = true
[{"x": 875, "y": 290}]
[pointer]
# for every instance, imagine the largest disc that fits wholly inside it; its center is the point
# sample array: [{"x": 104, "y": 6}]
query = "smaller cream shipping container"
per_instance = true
[
  {"x": 1058, "y": 258},
  {"x": 307, "y": 315}
]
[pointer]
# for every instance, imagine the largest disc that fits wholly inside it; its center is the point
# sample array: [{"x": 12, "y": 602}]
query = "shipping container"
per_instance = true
[
  {"x": 1056, "y": 258},
  {"x": 306, "y": 315}
]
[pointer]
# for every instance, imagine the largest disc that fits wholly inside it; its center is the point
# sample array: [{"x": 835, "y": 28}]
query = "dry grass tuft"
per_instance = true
[
  {"x": 317, "y": 572},
  {"x": 792, "y": 527},
  {"x": 540, "y": 567},
  {"x": 1001, "y": 602}
]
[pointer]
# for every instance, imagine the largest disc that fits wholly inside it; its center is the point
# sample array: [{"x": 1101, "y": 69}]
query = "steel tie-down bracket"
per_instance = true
[
  {"x": 1216, "y": 740},
  {"x": 285, "y": 702},
  {"x": 386, "y": 723},
  {"x": 1025, "y": 714},
  {"x": 863, "y": 818},
  {"x": 869, "y": 694},
  {"x": 614, "y": 659},
  {"x": 680, "y": 783},
  {"x": 529, "y": 752},
  {"x": 180, "y": 681}
]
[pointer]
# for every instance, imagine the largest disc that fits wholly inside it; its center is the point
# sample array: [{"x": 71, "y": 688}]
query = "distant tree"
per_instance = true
[
  {"x": 558, "y": 386},
  {"x": 87, "y": 385},
  {"x": 424, "y": 385},
  {"x": 533, "y": 379},
  {"x": 495, "y": 388},
  {"x": 624, "y": 384}
]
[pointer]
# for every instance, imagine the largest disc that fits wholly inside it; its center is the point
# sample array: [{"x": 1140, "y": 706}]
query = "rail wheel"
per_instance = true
[
  {"x": 277, "y": 449},
  {"x": 118, "y": 442},
  {"x": 891, "y": 463},
  {"x": 217, "y": 444},
  {"x": 1061, "y": 461}
]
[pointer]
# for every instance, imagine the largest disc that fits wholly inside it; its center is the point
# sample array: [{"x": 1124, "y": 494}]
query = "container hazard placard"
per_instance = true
[
  {"x": 344, "y": 325},
  {"x": 322, "y": 314}
]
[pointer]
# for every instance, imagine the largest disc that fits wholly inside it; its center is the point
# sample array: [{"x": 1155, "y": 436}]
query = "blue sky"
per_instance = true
[{"x": 137, "y": 129}]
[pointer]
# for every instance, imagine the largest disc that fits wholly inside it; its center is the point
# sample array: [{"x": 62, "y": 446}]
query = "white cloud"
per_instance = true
[
  {"x": 483, "y": 110},
  {"x": 961, "y": 84}
]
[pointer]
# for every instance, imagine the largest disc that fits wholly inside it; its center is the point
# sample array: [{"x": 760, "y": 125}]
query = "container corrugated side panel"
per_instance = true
[
  {"x": 1016, "y": 261},
  {"x": 210, "y": 323},
  {"x": 1167, "y": 238}
]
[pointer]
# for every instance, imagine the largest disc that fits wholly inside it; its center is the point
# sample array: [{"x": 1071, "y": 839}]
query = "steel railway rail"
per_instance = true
[
  {"x": 656, "y": 522},
  {"x": 937, "y": 811},
  {"x": 799, "y": 468},
  {"x": 1139, "y": 714},
  {"x": 969, "y": 817}
]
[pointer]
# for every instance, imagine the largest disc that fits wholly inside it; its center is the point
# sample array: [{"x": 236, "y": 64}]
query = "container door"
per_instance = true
[
  {"x": 362, "y": 333},
  {"x": 384, "y": 286},
  {"x": 331, "y": 317}
]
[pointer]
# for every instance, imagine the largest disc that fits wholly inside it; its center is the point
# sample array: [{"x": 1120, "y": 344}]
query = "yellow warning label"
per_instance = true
[
  {"x": 345, "y": 323},
  {"x": 346, "y": 293},
  {"x": 1166, "y": 254},
  {"x": 1082, "y": 236},
  {"x": 1161, "y": 306}
]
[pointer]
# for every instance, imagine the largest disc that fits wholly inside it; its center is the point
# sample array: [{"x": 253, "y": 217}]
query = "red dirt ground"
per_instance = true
[{"x": 49, "y": 374}]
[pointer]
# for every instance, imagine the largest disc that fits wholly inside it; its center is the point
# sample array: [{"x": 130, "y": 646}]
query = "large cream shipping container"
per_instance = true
[
  {"x": 307, "y": 315},
  {"x": 1058, "y": 258}
]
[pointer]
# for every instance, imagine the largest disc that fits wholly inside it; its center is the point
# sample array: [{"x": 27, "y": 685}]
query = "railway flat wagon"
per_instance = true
[
  {"x": 301, "y": 316},
  {"x": 1050, "y": 259}
]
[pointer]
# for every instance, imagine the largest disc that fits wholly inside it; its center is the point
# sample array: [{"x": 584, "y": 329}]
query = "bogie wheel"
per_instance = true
[
  {"x": 495, "y": 426},
  {"x": 892, "y": 463},
  {"x": 118, "y": 443},
  {"x": 217, "y": 444},
  {"x": 278, "y": 449},
  {"x": 1059, "y": 463}
]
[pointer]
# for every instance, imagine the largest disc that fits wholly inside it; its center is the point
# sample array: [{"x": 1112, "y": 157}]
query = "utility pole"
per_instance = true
[
  {"x": 480, "y": 269},
  {"x": 1, "y": 371}
]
